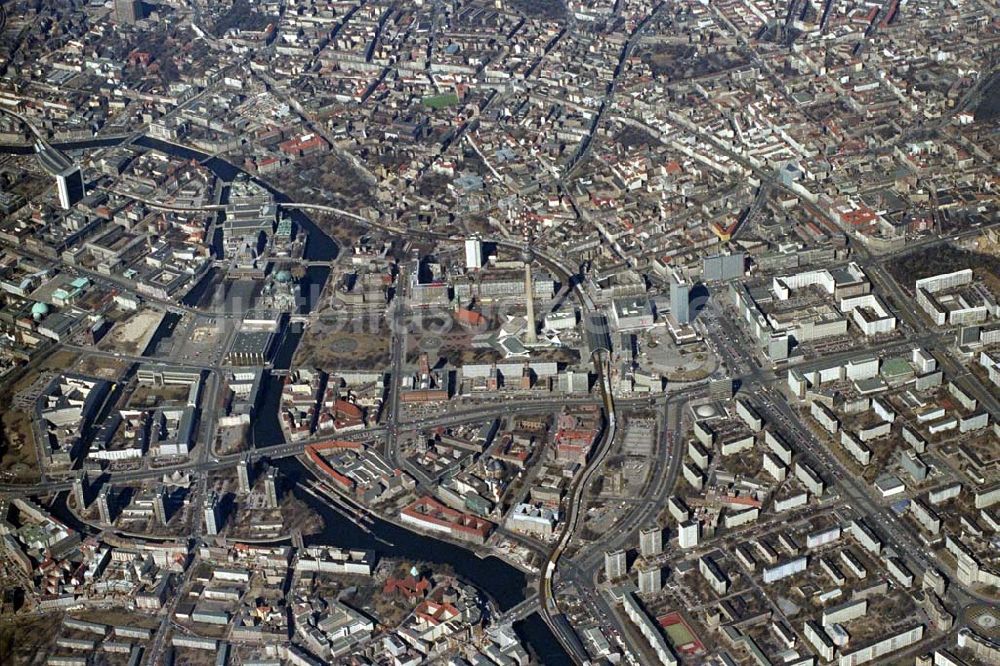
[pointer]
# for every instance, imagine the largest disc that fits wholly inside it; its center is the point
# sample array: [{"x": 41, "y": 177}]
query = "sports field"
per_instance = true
[
  {"x": 441, "y": 101},
  {"x": 681, "y": 636}
]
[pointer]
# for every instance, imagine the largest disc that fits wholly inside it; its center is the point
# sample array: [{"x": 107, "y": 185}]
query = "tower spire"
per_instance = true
[{"x": 529, "y": 291}]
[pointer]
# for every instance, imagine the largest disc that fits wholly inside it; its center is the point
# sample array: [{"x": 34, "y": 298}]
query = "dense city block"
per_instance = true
[{"x": 499, "y": 332}]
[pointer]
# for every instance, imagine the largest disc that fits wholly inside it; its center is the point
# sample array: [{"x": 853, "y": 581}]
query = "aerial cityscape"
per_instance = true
[{"x": 499, "y": 332}]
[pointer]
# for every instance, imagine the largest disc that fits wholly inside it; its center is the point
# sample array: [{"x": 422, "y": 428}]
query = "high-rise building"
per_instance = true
[
  {"x": 243, "y": 476},
  {"x": 69, "y": 178},
  {"x": 271, "y": 486},
  {"x": 688, "y": 533},
  {"x": 81, "y": 491},
  {"x": 615, "y": 564},
  {"x": 212, "y": 522},
  {"x": 650, "y": 579},
  {"x": 105, "y": 504},
  {"x": 69, "y": 182},
  {"x": 128, "y": 11},
  {"x": 680, "y": 294},
  {"x": 779, "y": 345},
  {"x": 723, "y": 266},
  {"x": 160, "y": 506},
  {"x": 720, "y": 389},
  {"x": 473, "y": 254},
  {"x": 650, "y": 541}
]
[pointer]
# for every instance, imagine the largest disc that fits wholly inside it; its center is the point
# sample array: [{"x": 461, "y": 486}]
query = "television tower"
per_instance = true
[{"x": 527, "y": 256}]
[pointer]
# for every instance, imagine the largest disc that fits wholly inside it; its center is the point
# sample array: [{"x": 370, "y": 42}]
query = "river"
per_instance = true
[{"x": 501, "y": 581}]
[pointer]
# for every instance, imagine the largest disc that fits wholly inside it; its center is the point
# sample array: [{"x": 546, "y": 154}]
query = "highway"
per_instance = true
[
  {"x": 397, "y": 357},
  {"x": 582, "y": 570},
  {"x": 774, "y": 408},
  {"x": 860, "y": 496},
  {"x": 642, "y": 511},
  {"x": 275, "y": 451},
  {"x": 549, "y": 606}
]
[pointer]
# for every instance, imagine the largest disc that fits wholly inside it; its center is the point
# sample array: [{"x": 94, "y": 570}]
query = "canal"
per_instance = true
[{"x": 501, "y": 581}]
